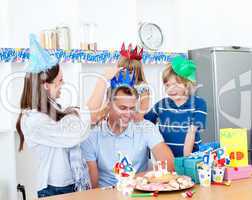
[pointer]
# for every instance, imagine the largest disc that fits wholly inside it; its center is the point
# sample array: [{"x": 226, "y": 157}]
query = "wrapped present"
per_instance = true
[
  {"x": 234, "y": 173},
  {"x": 234, "y": 140},
  {"x": 187, "y": 166},
  {"x": 210, "y": 145}
]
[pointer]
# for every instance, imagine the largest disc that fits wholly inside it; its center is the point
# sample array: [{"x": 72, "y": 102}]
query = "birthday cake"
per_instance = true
[
  {"x": 160, "y": 179},
  {"x": 164, "y": 178},
  {"x": 160, "y": 173}
]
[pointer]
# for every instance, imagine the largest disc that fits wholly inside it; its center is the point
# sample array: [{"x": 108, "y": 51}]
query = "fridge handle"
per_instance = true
[
  {"x": 21, "y": 188},
  {"x": 236, "y": 47}
]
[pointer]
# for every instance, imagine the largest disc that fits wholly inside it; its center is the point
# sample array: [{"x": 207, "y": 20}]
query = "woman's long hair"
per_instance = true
[{"x": 34, "y": 96}]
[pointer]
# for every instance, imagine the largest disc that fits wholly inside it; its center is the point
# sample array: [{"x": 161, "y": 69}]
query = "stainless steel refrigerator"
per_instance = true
[{"x": 224, "y": 76}]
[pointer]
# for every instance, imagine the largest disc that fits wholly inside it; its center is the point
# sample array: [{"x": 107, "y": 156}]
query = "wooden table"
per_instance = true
[{"x": 239, "y": 190}]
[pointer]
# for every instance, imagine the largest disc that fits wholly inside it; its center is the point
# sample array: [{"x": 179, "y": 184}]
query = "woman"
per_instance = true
[{"x": 55, "y": 134}]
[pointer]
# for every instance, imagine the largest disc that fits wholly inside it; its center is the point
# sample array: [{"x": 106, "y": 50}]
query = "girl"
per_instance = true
[
  {"x": 131, "y": 59},
  {"x": 181, "y": 116},
  {"x": 55, "y": 134}
]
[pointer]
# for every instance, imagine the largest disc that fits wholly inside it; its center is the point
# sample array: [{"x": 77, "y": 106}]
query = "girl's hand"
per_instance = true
[
  {"x": 138, "y": 117},
  {"x": 110, "y": 72}
]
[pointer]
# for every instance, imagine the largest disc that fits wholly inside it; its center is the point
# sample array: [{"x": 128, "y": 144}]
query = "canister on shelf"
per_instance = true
[
  {"x": 93, "y": 46},
  {"x": 48, "y": 39},
  {"x": 88, "y": 36},
  {"x": 93, "y": 37},
  {"x": 63, "y": 37},
  {"x": 84, "y": 46}
]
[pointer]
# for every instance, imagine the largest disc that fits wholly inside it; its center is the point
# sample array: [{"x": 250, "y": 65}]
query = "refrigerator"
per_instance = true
[{"x": 224, "y": 79}]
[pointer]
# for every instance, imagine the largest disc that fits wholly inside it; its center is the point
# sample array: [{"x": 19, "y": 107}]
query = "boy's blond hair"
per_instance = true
[{"x": 168, "y": 72}]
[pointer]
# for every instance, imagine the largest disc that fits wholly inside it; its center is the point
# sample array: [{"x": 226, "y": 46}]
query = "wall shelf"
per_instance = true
[{"x": 21, "y": 55}]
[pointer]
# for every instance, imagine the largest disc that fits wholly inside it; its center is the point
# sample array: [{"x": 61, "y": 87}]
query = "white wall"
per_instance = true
[
  {"x": 8, "y": 166},
  {"x": 116, "y": 23},
  {"x": 163, "y": 13},
  {"x": 214, "y": 23},
  {"x": 116, "y": 20},
  {"x": 7, "y": 145},
  {"x": 190, "y": 24},
  {"x": 4, "y": 31},
  {"x": 186, "y": 24},
  {"x": 29, "y": 16}
]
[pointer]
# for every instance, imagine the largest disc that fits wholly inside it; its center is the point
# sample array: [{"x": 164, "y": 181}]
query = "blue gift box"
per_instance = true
[
  {"x": 187, "y": 166},
  {"x": 206, "y": 146}
]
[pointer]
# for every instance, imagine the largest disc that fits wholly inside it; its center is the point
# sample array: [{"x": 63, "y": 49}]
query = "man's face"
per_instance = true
[{"x": 122, "y": 109}]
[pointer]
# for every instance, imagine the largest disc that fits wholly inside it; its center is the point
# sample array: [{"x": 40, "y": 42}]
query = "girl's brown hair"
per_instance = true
[
  {"x": 168, "y": 72},
  {"x": 133, "y": 65},
  {"x": 34, "y": 96}
]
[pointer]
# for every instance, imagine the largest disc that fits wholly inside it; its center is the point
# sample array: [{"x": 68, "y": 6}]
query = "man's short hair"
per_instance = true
[{"x": 130, "y": 91}]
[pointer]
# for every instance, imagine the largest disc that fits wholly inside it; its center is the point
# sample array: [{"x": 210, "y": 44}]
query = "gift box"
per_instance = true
[
  {"x": 179, "y": 165},
  {"x": 206, "y": 146},
  {"x": 235, "y": 141},
  {"x": 187, "y": 166},
  {"x": 234, "y": 173}
]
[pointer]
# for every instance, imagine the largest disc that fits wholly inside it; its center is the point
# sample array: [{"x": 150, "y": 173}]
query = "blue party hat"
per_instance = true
[
  {"x": 40, "y": 59},
  {"x": 123, "y": 79}
]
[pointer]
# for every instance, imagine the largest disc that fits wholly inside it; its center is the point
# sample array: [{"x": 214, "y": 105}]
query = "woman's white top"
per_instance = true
[{"x": 50, "y": 141}]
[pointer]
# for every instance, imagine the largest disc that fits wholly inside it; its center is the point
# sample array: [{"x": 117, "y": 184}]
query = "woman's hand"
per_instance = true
[{"x": 96, "y": 99}]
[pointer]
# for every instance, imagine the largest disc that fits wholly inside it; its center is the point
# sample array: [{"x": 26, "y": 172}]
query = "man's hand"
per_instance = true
[{"x": 162, "y": 152}]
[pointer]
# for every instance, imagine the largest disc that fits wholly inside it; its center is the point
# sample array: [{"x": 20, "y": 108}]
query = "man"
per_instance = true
[{"x": 120, "y": 134}]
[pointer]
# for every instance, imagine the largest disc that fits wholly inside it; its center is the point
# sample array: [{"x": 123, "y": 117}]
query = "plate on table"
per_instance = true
[{"x": 176, "y": 183}]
